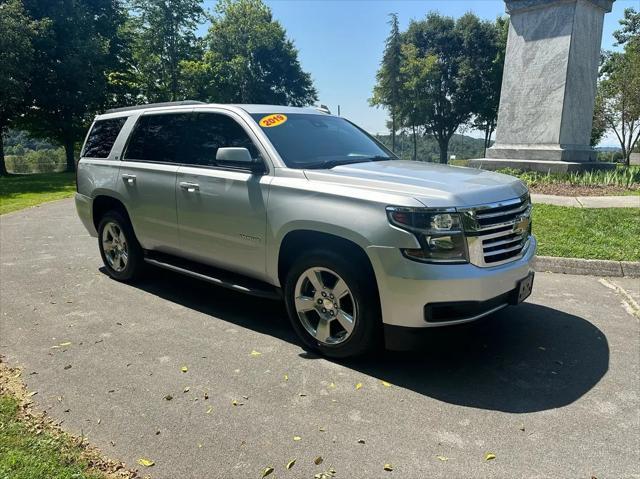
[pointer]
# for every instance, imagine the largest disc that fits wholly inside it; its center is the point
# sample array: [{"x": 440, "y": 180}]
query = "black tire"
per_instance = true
[
  {"x": 135, "y": 255},
  {"x": 366, "y": 336}
]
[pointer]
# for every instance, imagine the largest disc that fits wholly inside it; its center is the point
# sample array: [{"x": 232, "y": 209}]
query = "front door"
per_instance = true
[{"x": 222, "y": 211}]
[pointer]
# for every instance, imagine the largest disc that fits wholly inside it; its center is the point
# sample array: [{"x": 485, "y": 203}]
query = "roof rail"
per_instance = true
[{"x": 155, "y": 105}]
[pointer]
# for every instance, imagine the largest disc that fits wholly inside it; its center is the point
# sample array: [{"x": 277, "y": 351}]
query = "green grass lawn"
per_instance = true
[
  {"x": 17, "y": 192},
  {"x": 24, "y": 454},
  {"x": 607, "y": 233}
]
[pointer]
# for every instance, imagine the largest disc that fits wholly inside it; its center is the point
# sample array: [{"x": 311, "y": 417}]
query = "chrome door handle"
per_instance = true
[
  {"x": 129, "y": 179},
  {"x": 189, "y": 187}
]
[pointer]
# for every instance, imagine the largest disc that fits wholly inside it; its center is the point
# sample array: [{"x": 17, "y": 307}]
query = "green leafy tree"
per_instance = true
[
  {"x": 444, "y": 56},
  {"x": 386, "y": 92},
  {"x": 16, "y": 62},
  {"x": 74, "y": 54},
  {"x": 491, "y": 54},
  {"x": 163, "y": 38},
  {"x": 249, "y": 59},
  {"x": 630, "y": 27},
  {"x": 618, "y": 98}
]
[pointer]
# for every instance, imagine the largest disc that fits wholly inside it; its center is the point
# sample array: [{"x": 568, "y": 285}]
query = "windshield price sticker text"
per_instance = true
[{"x": 270, "y": 121}]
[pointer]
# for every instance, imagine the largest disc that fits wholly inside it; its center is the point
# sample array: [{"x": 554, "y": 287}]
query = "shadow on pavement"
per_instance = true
[{"x": 525, "y": 359}]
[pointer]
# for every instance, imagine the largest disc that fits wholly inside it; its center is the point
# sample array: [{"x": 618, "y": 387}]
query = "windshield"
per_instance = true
[{"x": 319, "y": 141}]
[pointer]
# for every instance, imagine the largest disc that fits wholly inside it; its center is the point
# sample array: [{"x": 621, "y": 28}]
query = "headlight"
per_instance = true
[{"x": 439, "y": 232}]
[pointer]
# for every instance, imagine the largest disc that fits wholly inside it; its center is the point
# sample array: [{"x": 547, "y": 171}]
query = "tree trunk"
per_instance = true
[
  {"x": 393, "y": 132},
  {"x": 444, "y": 150},
  {"x": 3, "y": 166},
  {"x": 415, "y": 143},
  {"x": 486, "y": 141},
  {"x": 69, "y": 146}
]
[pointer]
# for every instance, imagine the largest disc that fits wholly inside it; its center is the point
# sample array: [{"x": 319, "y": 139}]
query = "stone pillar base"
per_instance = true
[
  {"x": 544, "y": 166},
  {"x": 571, "y": 153}
]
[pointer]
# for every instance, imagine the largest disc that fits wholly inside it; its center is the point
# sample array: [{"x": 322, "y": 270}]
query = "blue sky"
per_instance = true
[{"x": 340, "y": 42}]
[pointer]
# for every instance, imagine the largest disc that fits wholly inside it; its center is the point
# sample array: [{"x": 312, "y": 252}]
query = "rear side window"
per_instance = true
[
  {"x": 211, "y": 131},
  {"x": 102, "y": 137},
  {"x": 159, "y": 138}
]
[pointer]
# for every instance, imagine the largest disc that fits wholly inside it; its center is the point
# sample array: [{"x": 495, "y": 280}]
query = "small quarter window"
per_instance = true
[{"x": 102, "y": 137}]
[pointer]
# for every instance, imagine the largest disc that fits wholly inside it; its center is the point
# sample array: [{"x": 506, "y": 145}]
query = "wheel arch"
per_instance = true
[
  {"x": 103, "y": 203},
  {"x": 298, "y": 241}
]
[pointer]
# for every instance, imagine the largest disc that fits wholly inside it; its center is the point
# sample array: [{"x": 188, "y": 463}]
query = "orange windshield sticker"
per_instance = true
[{"x": 276, "y": 119}]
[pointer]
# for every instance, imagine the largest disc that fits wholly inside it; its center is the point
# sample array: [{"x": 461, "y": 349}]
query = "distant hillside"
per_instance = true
[{"x": 463, "y": 147}]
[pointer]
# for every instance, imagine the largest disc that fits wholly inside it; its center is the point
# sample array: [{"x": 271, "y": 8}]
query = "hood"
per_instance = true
[{"x": 432, "y": 184}]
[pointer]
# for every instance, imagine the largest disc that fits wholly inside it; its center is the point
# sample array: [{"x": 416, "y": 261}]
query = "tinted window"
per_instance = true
[
  {"x": 211, "y": 131},
  {"x": 159, "y": 138},
  {"x": 102, "y": 137},
  {"x": 319, "y": 141}
]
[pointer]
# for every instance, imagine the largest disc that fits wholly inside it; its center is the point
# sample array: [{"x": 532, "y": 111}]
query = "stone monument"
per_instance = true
[{"x": 549, "y": 86}]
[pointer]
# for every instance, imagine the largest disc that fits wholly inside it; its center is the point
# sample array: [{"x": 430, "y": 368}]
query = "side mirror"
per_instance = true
[{"x": 239, "y": 157}]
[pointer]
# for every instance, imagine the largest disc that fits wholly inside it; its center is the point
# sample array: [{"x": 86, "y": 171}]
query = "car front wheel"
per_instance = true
[{"x": 332, "y": 305}]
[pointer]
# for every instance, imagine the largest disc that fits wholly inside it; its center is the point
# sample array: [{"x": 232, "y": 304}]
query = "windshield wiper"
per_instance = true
[{"x": 328, "y": 164}]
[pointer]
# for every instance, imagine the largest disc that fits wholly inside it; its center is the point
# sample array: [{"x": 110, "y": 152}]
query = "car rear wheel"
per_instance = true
[
  {"x": 333, "y": 307},
  {"x": 121, "y": 253}
]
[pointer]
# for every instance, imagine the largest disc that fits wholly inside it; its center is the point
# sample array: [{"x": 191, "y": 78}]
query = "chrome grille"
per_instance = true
[{"x": 499, "y": 232}]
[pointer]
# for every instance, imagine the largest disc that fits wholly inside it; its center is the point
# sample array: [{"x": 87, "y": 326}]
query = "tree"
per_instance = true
[
  {"x": 386, "y": 93},
  {"x": 16, "y": 54},
  {"x": 249, "y": 59},
  {"x": 630, "y": 30},
  {"x": 490, "y": 77},
  {"x": 444, "y": 58},
  {"x": 163, "y": 38},
  {"x": 618, "y": 98},
  {"x": 619, "y": 95},
  {"x": 77, "y": 48}
]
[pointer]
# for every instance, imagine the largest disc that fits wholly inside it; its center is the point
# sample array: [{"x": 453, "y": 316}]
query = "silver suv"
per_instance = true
[{"x": 296, "y": 203}]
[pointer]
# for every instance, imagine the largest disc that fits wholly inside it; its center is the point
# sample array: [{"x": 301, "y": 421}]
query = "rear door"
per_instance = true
[
  {"x": 222, "y": 207},
  {"x": 147, "y": 180}
]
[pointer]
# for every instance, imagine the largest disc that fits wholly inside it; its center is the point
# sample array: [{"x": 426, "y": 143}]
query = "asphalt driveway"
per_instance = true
[{"x": 551, "y": 388}]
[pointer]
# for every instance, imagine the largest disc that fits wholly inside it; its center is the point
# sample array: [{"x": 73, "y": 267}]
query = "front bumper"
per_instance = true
[{"x": 407, "y": 287}]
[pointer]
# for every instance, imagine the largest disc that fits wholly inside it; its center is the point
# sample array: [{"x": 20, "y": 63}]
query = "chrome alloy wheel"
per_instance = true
[
  {"x": 325, "y": 305},
  {"x": 114, "y": 245}
]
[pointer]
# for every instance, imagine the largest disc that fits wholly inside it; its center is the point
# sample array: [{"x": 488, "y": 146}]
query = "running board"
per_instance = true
[{"x": 214, "y": 276}]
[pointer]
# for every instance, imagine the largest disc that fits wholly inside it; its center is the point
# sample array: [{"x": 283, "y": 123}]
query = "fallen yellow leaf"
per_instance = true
[
  {"x": 267, "y": 471},
  {"x": 145, "y": 462},
  {"x": 489, "y": 456},
  {"x": 286, "y": 377},
  {"x": 255, "y": 353},
  {"x": 388, "y": 467},
  {"x": 209, "y": 410},
  {"x": 67, "y": 343},
  {"x": 443, "y": 458},
  {"x": 184, "y": 369},
  {"x": 186, "y": 389},
  {"x": 32, "y": 393},
  {"x": 318, "y": 460},
  {"x": 386, "y": 384},
  {"x": 291, "y": 463},
  {"x": 332, "y": 386},
  {"x": 358, "y": 386},
  {"x": 297, "y": 438}
]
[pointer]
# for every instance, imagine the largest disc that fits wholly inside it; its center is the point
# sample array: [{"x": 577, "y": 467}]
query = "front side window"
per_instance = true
[
  {"x": 210, "y": 131},
  {"x": 319, "y": 141},
  {"x": 159, "y": 138},
  {"x": 102, "y": 137}
]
